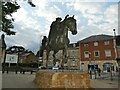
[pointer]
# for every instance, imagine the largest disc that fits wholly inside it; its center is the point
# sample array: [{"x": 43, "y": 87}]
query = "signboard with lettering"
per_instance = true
[{"x": 11, "y": 58}]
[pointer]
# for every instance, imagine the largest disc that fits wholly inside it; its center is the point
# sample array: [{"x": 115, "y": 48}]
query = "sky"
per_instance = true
[{"x": 32, "y": 23}]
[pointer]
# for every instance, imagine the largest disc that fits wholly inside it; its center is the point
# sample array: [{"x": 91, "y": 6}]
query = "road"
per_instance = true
[{"x": 12, "y": 80}]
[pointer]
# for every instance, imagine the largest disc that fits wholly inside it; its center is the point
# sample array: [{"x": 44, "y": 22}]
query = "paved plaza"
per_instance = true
[{"x": 12, "y": 80}]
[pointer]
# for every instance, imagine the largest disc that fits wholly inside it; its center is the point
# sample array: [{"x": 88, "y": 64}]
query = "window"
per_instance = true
[
  {"x": 95, "y": 43},
  {"x": 73, "y": 53},
  {"x": 107, "y": 53},
  {"x": 106, "y": 43},
  {"x": 96, "y": 54},
  {"x": 86, "y": 54},
  {"x": 85, "y": 44}
]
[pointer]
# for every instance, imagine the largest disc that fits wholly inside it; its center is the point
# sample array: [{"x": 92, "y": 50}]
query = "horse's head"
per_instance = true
[{"x": 71, "y": 25}]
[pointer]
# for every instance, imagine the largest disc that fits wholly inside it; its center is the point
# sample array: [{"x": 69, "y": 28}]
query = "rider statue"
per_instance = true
[
  {"x": 54, "y": 26},
  {"x": 44, "y": 42}
]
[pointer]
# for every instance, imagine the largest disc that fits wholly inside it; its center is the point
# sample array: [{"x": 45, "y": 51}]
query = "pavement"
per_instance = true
[
  {"x": 104, "y": 83},
  {"x": 12, "y": 80}
]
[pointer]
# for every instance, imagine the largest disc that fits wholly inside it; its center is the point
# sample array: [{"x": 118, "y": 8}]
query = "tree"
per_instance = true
[
  {"x": 7, "y": 23},
  {"x": 7, "y": 9}
]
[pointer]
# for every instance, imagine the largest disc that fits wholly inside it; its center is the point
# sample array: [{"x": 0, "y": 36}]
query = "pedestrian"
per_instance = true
[
  {"x": 116, "y": 69},
  {"x": 99, "y": 71}
]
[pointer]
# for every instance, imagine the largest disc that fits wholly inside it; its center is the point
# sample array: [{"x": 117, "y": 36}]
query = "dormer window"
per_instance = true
[
  {"x": 106, "y": 43},
  {"x": 85, "y": 44},
  {"x": 95, "y": 43}
]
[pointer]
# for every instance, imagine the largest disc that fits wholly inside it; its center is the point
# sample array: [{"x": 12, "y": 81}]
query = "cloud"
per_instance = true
[
  {"x": 94, "y": 19},
  {"x": 33, "y": 23},
  {"x": 49, "y": 13},
  {"x": 111, "y": 14}
]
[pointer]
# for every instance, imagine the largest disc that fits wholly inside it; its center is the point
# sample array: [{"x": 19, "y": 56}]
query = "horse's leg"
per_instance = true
[
  {"x": 62, "y": 64},
  {"x": 66, "y": 58},
  {"x": 47, "y": 56},
  {"x": 54, "y": 57},
  {"x": 64, "y": 61}
]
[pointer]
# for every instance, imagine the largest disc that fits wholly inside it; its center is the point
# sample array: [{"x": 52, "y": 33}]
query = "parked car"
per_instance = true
[
  {"x": 41, "y": 67},
  {"x": 55, "y": 68}
]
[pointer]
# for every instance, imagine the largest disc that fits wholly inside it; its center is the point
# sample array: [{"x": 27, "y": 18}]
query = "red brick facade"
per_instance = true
[
  {"x": 101, "y": 48},
  {"x": 98, "y": 50}
]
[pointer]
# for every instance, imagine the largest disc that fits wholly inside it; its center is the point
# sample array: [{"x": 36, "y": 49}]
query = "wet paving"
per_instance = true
[{"x": 12, "y": 80}]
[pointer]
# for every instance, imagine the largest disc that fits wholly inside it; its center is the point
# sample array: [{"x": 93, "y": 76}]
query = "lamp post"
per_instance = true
[
  {"x": 115, "y": 46},
  {"x": 117, "y": 55},
  {"x": 114, "y": 41},
  {"x": 39, "y": 58}
]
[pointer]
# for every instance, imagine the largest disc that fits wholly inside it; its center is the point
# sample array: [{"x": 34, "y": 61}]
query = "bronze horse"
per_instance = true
[{"x": 58, "y": 39}]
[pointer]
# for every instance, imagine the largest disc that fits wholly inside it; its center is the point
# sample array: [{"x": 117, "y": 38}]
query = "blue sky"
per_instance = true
[{"x": 31, "y": 23}]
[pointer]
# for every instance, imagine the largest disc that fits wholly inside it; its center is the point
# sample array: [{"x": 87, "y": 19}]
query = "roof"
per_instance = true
[
  {"x": 26, "y": 54},
  {"x": 73, "y": 45},
  {"x": 17, "y": 47},
  {"x": 96, "y": 38}
]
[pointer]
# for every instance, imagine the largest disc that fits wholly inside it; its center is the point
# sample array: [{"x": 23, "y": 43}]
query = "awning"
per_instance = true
[{"x": 108, "y": 63}]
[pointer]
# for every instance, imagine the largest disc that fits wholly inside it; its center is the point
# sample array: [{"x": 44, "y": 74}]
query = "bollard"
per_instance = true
[
  {"x": 95, "y": 74},
  {"x": 16, "y": 71},
  {"x": 7, "y": 71},
  {"x": 3, "y": 71},
  {"x": 23, "y": 72},
  {"x": 20, "y": 71},
  {"x": 31, "y": 72},
  {"x": 90, "y": 74},
  {"x": 111, "y": 76}
]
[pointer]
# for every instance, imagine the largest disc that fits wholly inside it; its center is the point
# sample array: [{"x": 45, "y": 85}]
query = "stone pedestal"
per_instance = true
[{"x": 62, "y": 80}]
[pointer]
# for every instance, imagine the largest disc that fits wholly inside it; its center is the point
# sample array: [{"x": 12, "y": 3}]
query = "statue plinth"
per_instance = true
[{"x": 62, "y": 80}]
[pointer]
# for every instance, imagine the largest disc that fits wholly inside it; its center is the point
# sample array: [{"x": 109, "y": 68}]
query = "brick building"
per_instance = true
[
  {"x": 27, "y": 57},
  {"x": 98, "y": 50}
]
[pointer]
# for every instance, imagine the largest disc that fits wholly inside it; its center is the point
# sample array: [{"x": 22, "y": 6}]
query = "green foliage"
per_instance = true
[
  {"x": 6, "y": 10},
  {"x": 39, "y": 53}
]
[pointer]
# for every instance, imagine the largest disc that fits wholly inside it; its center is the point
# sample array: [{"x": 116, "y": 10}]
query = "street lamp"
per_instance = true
[
  {"x": 114, "y": 41},
  {"x": 117, "y": 55},
  {"x": 116, "y": 51},
  {"x": 115, "y": 47},
  {"x": 39, "y": 58}
]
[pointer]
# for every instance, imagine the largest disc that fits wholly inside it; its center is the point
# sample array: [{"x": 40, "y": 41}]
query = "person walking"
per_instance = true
[{"x": 99, "y": 71}]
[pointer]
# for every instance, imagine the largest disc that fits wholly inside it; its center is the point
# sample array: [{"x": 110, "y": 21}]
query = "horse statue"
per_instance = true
[{"x": 58, "y": 39}]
